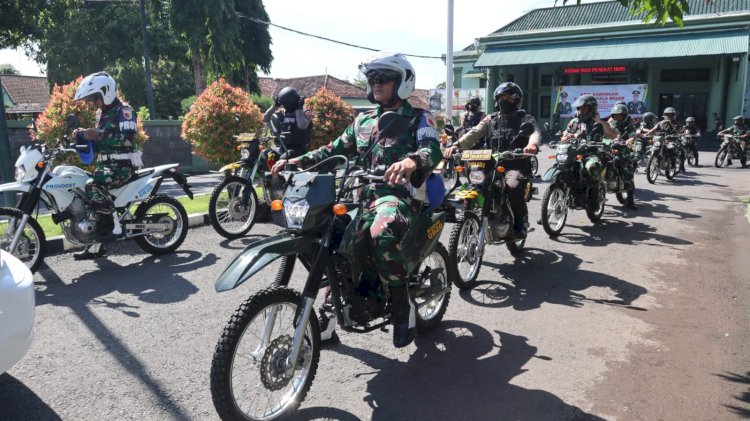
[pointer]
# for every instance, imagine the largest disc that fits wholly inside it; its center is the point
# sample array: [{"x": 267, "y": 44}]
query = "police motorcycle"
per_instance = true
[
  {"x": 158, "y": 225},
  {"x": 730, "y": 149},
  {"x": 233, "y": 205},
  {"x": 664, "y": 155},
  {"x": 571, "y": 186},
  {"x": 266, "y": 359},
  {"x": 484, "y": 171}
]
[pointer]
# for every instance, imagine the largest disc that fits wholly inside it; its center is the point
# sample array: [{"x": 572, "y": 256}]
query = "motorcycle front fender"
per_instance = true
[
  {"x": 258, "y": 255},
  {"x": 15, "y": 186},
  {"x": 551, "y": 173}
]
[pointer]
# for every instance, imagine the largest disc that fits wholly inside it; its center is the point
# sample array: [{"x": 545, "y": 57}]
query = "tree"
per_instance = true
[
  {"x": 658, "y": 10},
  {"x": 8, "y": 69},
  {"x": 19, "y": 21}
]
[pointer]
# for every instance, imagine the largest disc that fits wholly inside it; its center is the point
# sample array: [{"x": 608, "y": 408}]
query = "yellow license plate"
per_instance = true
[{"x": 477, "y": 155}]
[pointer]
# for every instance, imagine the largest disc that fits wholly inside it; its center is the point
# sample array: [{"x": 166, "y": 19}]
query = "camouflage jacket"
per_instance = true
[
  {"x": 739, "y": 131},
  {"x": 624, "y": 129},
  {"x": 419, "y": 142},
  {"x": 666, "y": 128},
  {"x": 117, "y": 125},
  {"x": 582, "y": 129}
]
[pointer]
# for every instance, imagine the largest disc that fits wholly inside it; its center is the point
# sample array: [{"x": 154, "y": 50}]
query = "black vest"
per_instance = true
[
  {"x": 504, "y": 128},
  {"x": 297, "y": 139},
  {"x": 471, "y": 120}
]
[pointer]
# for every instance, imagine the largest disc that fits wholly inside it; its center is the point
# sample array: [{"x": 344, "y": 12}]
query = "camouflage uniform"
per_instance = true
[
  {"x": 389, "y": 209},
  {"x": 582, "y": 130},
  {"x": 625, "y": 131},
  {"x": 737, "y": 132},
  {"x": 117, "y": 125}
]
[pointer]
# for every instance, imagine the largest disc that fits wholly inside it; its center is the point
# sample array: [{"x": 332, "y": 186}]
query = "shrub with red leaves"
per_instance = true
[
  {"x": 218, "y": 114},
  {"x": 331, "y": 116}
]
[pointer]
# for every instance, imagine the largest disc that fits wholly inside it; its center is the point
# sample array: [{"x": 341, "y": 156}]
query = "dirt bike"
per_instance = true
[
  {"x": 690, "y": 145},
  {"x": 731, "y": 149},
  {"x": 642, "y": 150},
  {"x": 487, "y": 215},
  {"x": 158, "y": 225},
  {"x": 267, "y": 357},
  {"x": 663, "y": 158},
  {"x": 571, "y": 186},
  {"x": 617, "y": 157}
]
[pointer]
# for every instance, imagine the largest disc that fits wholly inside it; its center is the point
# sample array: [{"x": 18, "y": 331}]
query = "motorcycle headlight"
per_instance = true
[
  {"x": 295, "y": 212},
  {"x": 244, "y": 153},
  {"x": 20, "y": 172},
  {"x": 561, "y": 158},
  {"x": 657, "y": 143},
  {"x": 476, "y": 177}
]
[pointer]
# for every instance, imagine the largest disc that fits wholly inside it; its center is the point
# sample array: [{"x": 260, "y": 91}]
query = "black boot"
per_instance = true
[
  {"x": 404, "y": 317},
  {"x": 630, "y": 203},
  {"x": 91, "y": 252}
]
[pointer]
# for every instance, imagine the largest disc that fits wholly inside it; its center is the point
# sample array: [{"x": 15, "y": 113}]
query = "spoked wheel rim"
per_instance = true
[
  {"x": 429, "y": 305},
  {"x": 557, "y": 209},
  {"x": 164, "y": 213},
  {"x": 721, "y": 157},
  {"x": 234, "y": 216},
  {"x": 468, "y": 260},
  {"x": 256, "y": 372},
  {"x": 29, "y": 245},
  {"x": 653, "y": 170},
  {"x": 534, "y": 165}
]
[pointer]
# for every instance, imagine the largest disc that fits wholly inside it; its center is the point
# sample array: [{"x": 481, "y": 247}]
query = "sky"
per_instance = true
[{"x": 415, "y": 27}]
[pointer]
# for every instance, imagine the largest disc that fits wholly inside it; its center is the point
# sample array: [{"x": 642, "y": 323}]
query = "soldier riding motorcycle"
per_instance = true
[
  {"x": 735, "y": 144},
  {"x": 690, "y": 137},
  {"x": 642, "y": 142},
  {"x": 621, "y": 169}
]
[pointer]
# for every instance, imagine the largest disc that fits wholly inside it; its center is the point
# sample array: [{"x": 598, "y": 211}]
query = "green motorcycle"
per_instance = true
[{"x": 268, "y": 353}]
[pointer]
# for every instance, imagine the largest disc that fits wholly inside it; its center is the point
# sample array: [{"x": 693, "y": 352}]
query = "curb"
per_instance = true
[{"x": 58, "y": 244}]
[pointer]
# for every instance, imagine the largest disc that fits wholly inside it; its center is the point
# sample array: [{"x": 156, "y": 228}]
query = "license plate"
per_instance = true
[{"x": 477, "y": 155}]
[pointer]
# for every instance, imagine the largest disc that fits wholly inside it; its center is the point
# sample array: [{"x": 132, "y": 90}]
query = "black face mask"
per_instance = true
[{"x": 507, "y": 107}]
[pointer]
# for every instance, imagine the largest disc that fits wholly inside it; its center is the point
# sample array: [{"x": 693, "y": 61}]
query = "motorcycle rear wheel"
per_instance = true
[
  {"x": 432, "y": 305},
  {"x": 162, "y": 209},
  {"x": 32, "y": 247},
  {"x": 554, "y": 210},
  {"x": 721, "y": 157},
  {"x": 462, "y": 249},
  {"x": 229, "y": 217},
  {"x": 652, "y": 169},
  {"x": 246, "y": 366}
]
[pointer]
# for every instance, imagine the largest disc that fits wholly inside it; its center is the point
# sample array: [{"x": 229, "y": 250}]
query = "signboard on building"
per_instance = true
[
  {"x": 460, "y": 98},
  {"x": 606, "y": 96}
]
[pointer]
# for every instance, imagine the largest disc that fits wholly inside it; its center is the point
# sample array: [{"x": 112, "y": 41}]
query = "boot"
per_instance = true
[
  {"x": 404, "y": 317},
  {"x": 327, "y": 322},
  {"x": 630, "y": 203},
  {"x": 91, "y": 252}
]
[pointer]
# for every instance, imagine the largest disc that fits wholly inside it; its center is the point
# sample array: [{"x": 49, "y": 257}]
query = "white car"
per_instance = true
[{"x": 16, "y": 310}]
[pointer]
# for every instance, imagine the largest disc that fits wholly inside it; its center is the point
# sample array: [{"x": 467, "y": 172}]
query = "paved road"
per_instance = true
[{"x": 643, "y": 316}]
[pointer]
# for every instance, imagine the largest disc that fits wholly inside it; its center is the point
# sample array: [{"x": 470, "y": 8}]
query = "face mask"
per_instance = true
[{"x": 507, "y": 107}]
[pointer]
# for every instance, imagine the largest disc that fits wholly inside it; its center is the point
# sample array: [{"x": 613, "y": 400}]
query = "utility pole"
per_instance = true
[
  {"x": 449, "y": 67},
  {"x": 147, "y": 63},
  {"x": 6, "y": 165}
]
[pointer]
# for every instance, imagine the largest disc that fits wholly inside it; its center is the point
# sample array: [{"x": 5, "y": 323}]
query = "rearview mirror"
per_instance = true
[
  {"x": 449, "y": 129},
  {"x": 390, "y": 125},
  {"x": 72, "y": 121},
  {"x": 526, "y": 129},
  {"x": 275, "y": 124}
]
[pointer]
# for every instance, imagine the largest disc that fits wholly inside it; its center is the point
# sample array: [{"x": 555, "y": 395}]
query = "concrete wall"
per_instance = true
[{"x": 165, "y": 145}]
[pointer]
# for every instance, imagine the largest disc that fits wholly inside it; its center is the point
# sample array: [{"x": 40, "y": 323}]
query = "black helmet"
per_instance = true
[
  {"x": 508, "y": 88},
  {"x": 586, "y": 100},
  {"x": 288, "y": 98},
  {"x": 475, "y": 100},
  {"x": 620, "y": 109},
  {"x": 650, "y": 118}
]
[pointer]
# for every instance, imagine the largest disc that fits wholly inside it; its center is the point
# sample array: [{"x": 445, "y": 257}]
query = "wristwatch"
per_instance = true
[{"x": 414, "y": 156}]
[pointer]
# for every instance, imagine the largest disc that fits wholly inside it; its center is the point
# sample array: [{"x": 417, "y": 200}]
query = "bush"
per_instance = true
[
  {"x": 219, "y": 113},
  {"x": 186, "y": 103},
  {"x": 263, "y": 102},
  {"x": 51, "y": 123},
  {"x": 331, "y": 116}
]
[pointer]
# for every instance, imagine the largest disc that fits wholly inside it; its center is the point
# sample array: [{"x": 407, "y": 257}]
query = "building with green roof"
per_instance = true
[{"x": 700, "y": 69}]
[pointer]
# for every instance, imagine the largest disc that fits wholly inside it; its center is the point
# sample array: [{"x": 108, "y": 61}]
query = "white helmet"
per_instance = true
[
  {"x": 97, "y": 83},
  {"x": 394, "y": 62}
]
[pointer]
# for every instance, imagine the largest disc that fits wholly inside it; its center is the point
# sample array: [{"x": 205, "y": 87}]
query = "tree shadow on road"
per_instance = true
[
  {"x": 617, "y": 231},
  {"x": 541, "y": 276},
  {"x": 744, "y": 398},
  {"x": 458, "y": 372},
  {"x": 18, "y": 402}
]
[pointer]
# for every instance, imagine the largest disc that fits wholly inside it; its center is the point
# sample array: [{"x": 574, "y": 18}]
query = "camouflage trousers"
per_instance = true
[
  {"x": 387, "y": 219},
  {"x": 107, "y": 176}
]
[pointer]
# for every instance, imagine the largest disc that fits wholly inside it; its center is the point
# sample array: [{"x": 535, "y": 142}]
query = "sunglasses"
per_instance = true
[{"x": 381, "y": 77}]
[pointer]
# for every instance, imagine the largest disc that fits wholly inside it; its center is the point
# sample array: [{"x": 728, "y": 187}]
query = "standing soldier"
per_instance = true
[{"x": 115, "y": 136}]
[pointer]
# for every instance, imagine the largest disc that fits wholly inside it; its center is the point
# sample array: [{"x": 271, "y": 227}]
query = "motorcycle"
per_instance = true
[
  {"x": 730, "y": 149},
  {"x": 158, "y": 225},
  {"x": 233, "y": 205},
  {"x": 642, "y": 150},
  {"x": 616, "y": 158},
  {"x": 477, "y": 203},
  {"x": 267, "y": 357},
  {"x": 663, "y": 158},
  {"x": 690, "y": 146},
  {"x": 571, "y": 186}
]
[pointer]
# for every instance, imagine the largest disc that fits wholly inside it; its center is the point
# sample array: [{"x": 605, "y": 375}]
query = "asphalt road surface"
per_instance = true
[{"x": 641, "y": 317}]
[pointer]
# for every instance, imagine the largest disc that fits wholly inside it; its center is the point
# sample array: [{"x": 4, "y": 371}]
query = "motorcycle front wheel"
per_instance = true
[
  {"x": 248, "y": 376},
  {"x": 671, "y": 168},
  {"x": 652, "y": 169},
  {"x": 433, "y": 295},
  {"x": 595, "y": 214},
  {"x": 232, "y": 207},
  {"x": 166, "y": 210},
  {"x": 622, "y": 196},
  {"x": 534, "y": 165},
  {"x": 554, "y": 209},
  {"x": 31, "y": 247},
  {"x": 692, "y": 158},
  {"x": 463, "y": 249},
  {"x": 721, "y": 157}
]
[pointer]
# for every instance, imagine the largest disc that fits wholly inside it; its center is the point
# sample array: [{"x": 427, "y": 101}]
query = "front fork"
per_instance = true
[{"x": 18, "y": 233}]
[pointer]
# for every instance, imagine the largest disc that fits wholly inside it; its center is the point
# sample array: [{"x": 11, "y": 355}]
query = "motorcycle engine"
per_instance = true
[
  {"x": 363, "y": 301},
  {"x": 81, "y": 227}
]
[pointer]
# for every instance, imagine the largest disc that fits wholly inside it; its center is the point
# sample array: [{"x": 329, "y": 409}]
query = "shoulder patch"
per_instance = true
[{"x": 426, "y": 128}]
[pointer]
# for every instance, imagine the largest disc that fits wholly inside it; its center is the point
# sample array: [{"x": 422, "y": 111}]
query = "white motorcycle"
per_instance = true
[{"x": 158, "y": 224}]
